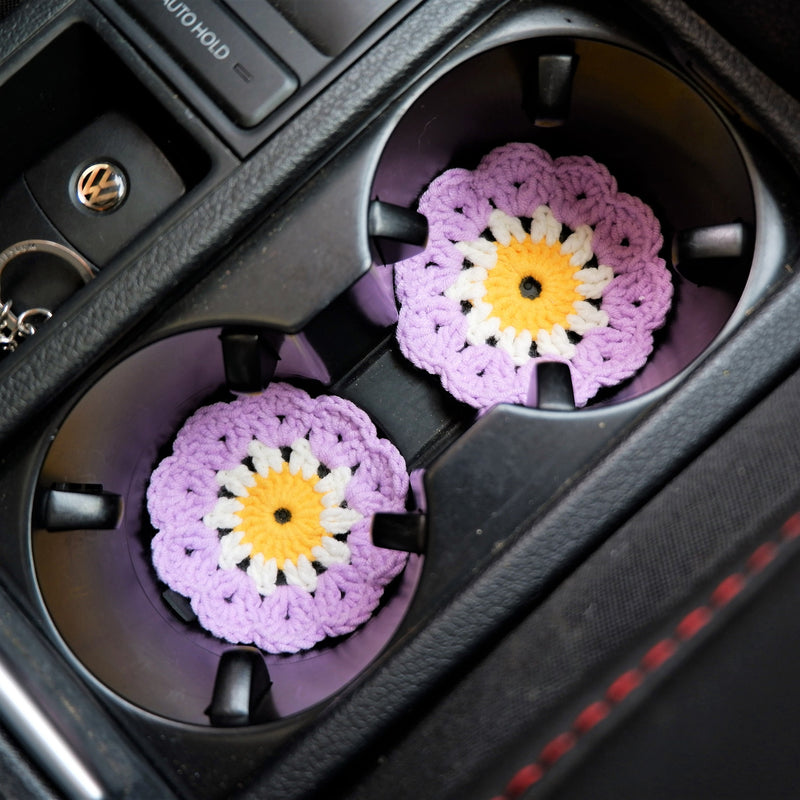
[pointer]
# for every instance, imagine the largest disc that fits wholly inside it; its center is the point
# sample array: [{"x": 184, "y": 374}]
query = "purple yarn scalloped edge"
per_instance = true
[
  {"x": 183, "y": 488},
  {"x": 516, "y": 179}
]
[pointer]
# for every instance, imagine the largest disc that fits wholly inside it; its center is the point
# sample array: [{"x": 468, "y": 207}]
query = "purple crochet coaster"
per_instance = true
[
  {"x": 263, "y": 516},
  {"x": 529, "y": 258}
]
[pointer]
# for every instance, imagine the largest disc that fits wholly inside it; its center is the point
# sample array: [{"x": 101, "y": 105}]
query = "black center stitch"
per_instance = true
[
  {"x": 530, "y": 288},
  {"x": 282, "y": 515}
]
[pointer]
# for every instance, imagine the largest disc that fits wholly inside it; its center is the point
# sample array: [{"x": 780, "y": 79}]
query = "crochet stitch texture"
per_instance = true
[
  {"x": 531, "y": 257},
  {"x": 263, "y": 517}
]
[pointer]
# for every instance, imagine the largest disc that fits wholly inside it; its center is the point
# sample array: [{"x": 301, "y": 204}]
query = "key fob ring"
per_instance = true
[{"x": 78, "y": 264}]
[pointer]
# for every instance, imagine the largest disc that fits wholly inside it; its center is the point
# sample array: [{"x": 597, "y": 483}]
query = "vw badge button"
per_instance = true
[{"x": 101, "y": 187}]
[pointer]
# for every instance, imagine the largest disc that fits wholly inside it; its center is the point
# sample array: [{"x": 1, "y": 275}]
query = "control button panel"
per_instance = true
[{"x": 238, "y": 72}]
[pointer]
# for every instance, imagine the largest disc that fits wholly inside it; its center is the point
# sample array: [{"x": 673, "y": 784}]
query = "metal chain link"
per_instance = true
[{"x": 14, "y": 329}]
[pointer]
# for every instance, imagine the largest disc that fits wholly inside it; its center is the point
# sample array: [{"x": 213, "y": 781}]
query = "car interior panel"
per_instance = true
[{"x": 399, "y": 399}]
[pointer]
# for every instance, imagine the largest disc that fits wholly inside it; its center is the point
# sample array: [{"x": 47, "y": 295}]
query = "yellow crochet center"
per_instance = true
[
  {"x": 280, "y": 518},
  {"x": 549, "y": 268}
]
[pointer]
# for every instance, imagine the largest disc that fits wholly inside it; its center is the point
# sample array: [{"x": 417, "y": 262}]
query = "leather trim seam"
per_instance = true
[{"x": 654, "y": 659}]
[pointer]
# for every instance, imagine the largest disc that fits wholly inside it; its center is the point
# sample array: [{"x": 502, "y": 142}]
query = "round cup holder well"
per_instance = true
[
  {"x": 99, "y": 587},
  {"x": 658, "y": 136}
]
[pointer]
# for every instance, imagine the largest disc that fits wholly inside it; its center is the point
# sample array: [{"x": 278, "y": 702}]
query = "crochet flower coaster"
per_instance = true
[
  {"x": 530, "y": 257},
  {"x": 263, "y": 516}
]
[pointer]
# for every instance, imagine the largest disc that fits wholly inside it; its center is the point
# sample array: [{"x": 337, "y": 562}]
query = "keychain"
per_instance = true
[
  {"x": 16, "y": 327},
  {"x": 13, "y": 329}
]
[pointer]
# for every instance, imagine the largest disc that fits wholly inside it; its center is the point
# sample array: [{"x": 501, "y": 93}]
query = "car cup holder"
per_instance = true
[
  {"x": 570, "y": 87},
  {"x": 658, "y": 136},
  {"x": 134, "y": 634}
]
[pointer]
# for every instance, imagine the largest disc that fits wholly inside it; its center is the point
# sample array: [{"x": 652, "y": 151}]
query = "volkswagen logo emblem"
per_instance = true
[{"x": 101, "y": 187}]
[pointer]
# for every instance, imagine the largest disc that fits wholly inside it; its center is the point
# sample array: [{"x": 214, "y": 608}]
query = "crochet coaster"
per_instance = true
[
  {"x": 531, "y": 257},
  {"x": 263, "y": 516}
]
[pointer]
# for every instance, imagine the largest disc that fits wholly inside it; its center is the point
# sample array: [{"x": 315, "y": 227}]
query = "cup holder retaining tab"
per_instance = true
[
  {"x": 241, "y": 689},
  {"x": 179, "y": 604},
  {"x": 709, "y": 255},
  {"x": 406, "y": 532},
  {"x": 78, "y": 506},
  {"x": 249, "y": 361},
  {"x": 390, "y": 221},
  {"x": 551, "y": 387},
  {"x": 554, "y": 89}
]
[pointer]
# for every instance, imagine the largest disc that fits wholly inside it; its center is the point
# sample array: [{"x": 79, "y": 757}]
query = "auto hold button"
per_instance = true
[{"x": 236, "y": 71}]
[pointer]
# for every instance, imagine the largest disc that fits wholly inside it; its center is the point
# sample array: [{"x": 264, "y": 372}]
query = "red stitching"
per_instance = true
[
  {"x": 791, "y": 528},
  {"x": 653, "y": 659},
  {"x": 693, "y": 622},
  {"x": 762, "y": 556},
  {"x": 557, "y": 748},
  {"x": 624, "y": 685},
  {"x": 658, "y": 654},
  {"x": 523, "y": 780},
  {"x": 727, "y": 590},
  {"x": 590, "y": 716}
]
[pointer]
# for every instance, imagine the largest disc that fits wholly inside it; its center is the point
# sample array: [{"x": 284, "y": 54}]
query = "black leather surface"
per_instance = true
[
  {"x": 766, "y": 32},
  {"x": 7, "y": 6},
  {"x": 725, "y": 725}
]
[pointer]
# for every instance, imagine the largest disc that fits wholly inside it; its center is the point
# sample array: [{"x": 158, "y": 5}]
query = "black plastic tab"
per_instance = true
[
  {"x": 389, "y": 221},
  {"x": 249, "y": 361},
  {"x": 712, "y": 241},
  {"x": 179, "y": 605},
  {"x": 80, "y": 506},
  {"x": 713, "y": 255},
  {"x": 551, "y": 387},
  {"x": 236, "y": 71},
  {"x": 241, "y": 689},
  {"x": 406, "y": 532},
  {"x": 554, "y": 89}
]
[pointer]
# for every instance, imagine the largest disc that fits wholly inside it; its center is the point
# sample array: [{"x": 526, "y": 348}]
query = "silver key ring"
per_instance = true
[{"x": 15, "y": 327}]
